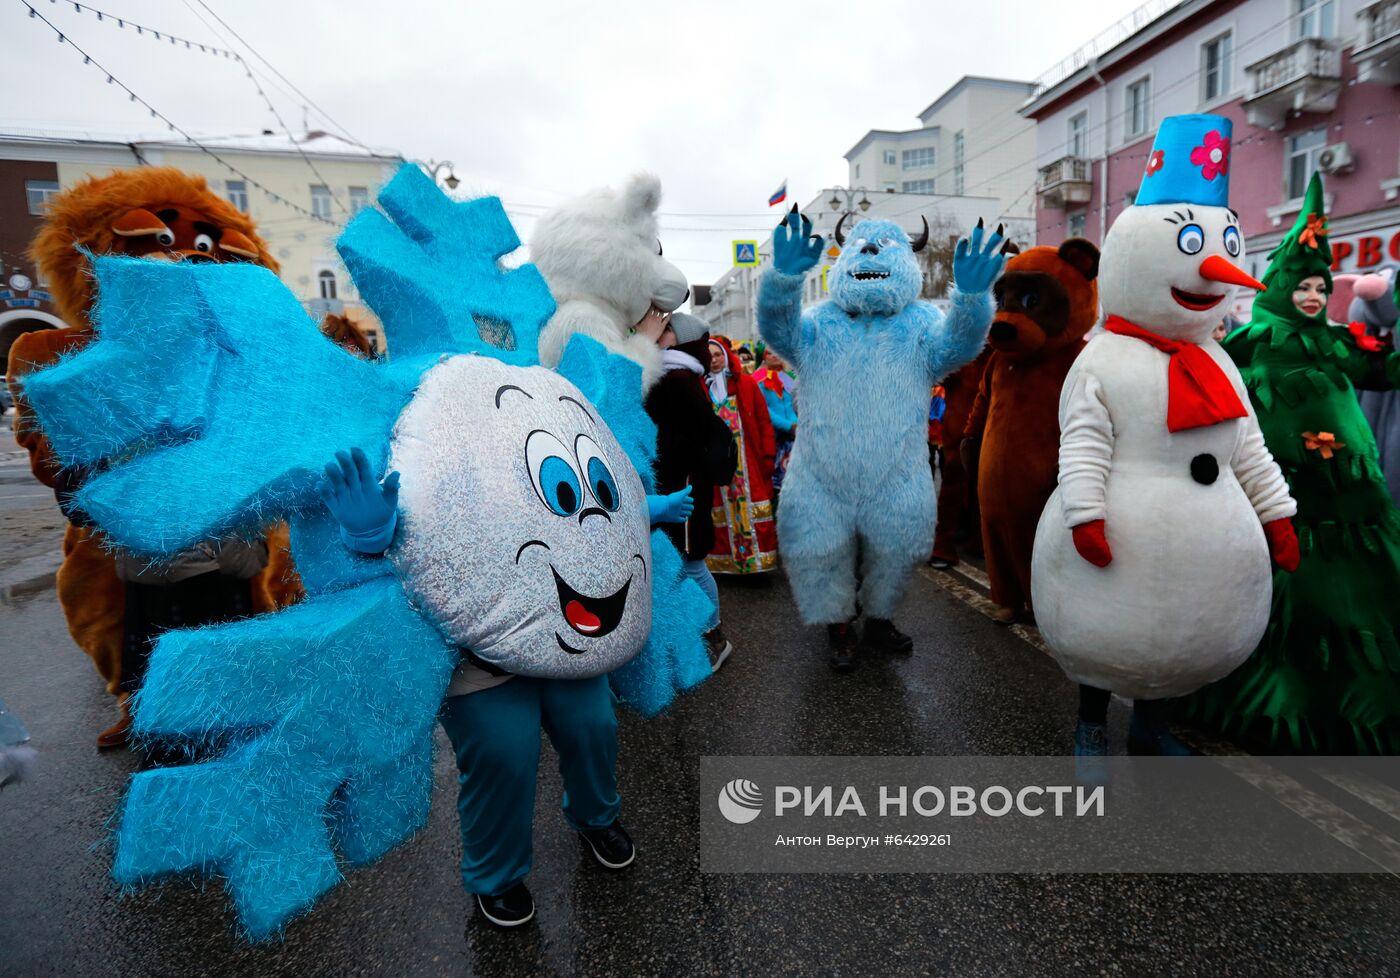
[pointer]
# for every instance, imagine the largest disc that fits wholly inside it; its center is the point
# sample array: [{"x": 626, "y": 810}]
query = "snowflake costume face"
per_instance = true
[{"x": 322, "y": 714}]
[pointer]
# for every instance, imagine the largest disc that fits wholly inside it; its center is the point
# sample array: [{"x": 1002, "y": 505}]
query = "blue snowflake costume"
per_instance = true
[
  {"x": 321, "y": 715},
  {"x": 866, "y": 360}
]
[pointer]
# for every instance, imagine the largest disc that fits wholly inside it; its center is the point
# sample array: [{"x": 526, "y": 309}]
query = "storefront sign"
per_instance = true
[{"x": 1366, "y": 250}]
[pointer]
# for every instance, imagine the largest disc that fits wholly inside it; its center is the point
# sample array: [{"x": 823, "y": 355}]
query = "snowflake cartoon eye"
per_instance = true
[
  {"x": 1232, "y": 241},
  {"x": 1191, "y": 239},
  {"x": 601, "y": 481},
  {"x": 555, "y": 479}
]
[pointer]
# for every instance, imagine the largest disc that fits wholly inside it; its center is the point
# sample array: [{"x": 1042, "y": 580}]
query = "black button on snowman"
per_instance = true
[{"x": 1205, "y": 469}]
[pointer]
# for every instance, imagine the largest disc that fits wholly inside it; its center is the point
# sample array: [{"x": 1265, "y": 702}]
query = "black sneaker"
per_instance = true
[
  {"x": 719, "y": 647},
  {"x": 941, "y": 563},
  {"x": 880, "y": 635},
  {"x": 509, "y": 909},
  {"x": 612, "y": 846},
  {"x": 842, "y": 641}
]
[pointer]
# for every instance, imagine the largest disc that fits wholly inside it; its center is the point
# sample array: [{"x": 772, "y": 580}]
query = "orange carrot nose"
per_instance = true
[{"x": 1218, "y": 269}]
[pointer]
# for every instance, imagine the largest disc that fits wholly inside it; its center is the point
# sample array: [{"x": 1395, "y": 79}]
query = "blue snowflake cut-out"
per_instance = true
[{"x": 209, "y": 402}]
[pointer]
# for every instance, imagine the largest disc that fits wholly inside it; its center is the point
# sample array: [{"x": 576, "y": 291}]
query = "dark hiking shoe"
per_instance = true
[
  {"x": 612, "y": 846},
  {"x": 718, "y": 646},
  {"x": 1154, "y": 739},
  {"x": 509, "y": 909},
  {"x": 1090, "y": 748},
  {"x": 881, "y": 636},
  {"x": 841, "y": 640}
]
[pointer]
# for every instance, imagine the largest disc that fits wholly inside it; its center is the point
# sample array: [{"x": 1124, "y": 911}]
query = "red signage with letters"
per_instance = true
[{"x": 1366, "y": 250}]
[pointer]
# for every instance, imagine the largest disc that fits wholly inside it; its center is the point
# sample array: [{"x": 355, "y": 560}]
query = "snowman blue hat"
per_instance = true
[{"x": 1189, "y": 162}]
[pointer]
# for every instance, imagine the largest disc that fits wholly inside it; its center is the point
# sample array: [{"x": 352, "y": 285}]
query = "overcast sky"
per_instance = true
[{"x": 537, "y": 101}]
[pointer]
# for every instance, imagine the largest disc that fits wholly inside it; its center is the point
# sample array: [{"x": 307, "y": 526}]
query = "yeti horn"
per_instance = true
[
  {"x": 841, "y": 238},
  {"x": 918, "y": 243}
]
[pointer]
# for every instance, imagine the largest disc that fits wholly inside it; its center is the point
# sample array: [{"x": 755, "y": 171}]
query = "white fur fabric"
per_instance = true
[
  {"x": 601, "y": 256},
  {"x": 479, "y": 546},
  {"x": 1186, "y": 598}
]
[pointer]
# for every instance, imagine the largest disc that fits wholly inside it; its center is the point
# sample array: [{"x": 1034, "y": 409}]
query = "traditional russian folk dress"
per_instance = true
[
  {"x": 1326, "y": 676},
  {"x": 746, "y": 536}
]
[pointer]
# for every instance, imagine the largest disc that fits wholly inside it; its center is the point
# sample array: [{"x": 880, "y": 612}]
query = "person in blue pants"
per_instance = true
[{"x": 493, "y": 720}]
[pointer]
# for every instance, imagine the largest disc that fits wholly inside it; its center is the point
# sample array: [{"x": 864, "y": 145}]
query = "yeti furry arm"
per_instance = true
[
  {"x": 1259, "y": 475},
  {"x": 956, "y": 340},
  {"x": 1086, "y": 446},
  {"x": 780, "y": 319},
  {"x": 576, "y": 317}
]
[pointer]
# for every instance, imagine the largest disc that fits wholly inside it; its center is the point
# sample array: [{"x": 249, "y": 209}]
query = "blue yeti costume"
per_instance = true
[
  {"x": 859, "y": 480},
  {"x": 321, "y": 715}
]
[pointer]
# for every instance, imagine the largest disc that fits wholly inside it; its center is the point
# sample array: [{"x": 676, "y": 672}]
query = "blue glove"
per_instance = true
[
  {"x": 675, "y": 508},
  {"x": 975, "y": 268},
  {"x": 366, "y": 510},
  {"x": 795, "y": 248}
]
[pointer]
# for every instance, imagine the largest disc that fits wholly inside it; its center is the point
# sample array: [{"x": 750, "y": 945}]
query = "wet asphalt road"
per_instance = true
[{"x": 970, "y": 688}]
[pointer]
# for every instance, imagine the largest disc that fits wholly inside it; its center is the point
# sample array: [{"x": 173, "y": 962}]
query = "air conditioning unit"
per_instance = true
[{"x": 1335, "y": 159}]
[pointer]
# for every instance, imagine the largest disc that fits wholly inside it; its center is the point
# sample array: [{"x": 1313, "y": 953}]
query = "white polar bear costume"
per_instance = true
[
  {"x": 1186, "y": 596},
  {"x": 601, "y": 256}
]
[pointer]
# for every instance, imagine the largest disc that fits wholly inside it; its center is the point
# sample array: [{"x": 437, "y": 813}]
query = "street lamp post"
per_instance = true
[{"x": 435, "y": 167}]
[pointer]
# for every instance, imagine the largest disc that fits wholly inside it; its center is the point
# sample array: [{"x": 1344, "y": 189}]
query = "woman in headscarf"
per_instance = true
[
  {"x": 1326, "y": 677},
  {"x": 746, "y": 538}
]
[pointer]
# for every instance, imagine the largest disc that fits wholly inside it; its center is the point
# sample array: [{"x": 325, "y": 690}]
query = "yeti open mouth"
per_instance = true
[
  {"x": 869, "y": 276},
  {"x": 590, "y": 617},
  {"x": 1195, "y": 301}
]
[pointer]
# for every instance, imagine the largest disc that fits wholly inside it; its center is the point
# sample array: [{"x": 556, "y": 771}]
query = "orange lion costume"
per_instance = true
[
  {"x": 155, "y": 212},
  {"x": 1047, "y": 300}
]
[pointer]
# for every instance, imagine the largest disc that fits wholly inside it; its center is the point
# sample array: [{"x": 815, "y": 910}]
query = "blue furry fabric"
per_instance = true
[
  {"x": 866, "y": 362},
  {"x": 210, "y": 402}
]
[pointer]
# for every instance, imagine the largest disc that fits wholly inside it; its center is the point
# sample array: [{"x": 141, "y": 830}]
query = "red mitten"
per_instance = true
[
  {"x": 1092, "y": 543},
  {"x": 1283, "y": 543}
]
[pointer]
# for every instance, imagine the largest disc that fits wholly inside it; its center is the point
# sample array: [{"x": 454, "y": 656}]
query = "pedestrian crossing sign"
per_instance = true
[{"x": 745, "y": 253}]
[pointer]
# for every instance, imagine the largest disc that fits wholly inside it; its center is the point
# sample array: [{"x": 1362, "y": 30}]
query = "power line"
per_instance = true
[
  {"x": 157, "y": 114},
  {"x": 273, "y": 68}
]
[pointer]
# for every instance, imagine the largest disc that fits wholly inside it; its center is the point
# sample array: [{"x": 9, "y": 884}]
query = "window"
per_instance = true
[
  {"x": 1078, "y": 142},
  {"x": 37, "y": 194},
  {"x": 1216, "y": 57},
  {"x": 915, "y": 158},
  {"x": 1135, "y": 98},
  {"x": 321, "y": 201},
  {"x": 857, "y": 171},
  {"x": 958, "y": 150},
  {"x": 359, "y": 199},
  {"x": 1302, "y": 160},
  {"x": 237, "y": 193},
  {"x": 1076, "y": 225},
  {"x": 1314, "y": 18},
  {"x": 918, "y": 186},
  {"x": 890, "y": 157},
  {"x": 325, "y": 278},
  {"x": 890, "y": 186}
]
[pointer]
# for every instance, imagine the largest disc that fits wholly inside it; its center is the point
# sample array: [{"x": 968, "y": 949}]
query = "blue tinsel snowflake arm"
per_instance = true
[{"x": 434, "y": 277}]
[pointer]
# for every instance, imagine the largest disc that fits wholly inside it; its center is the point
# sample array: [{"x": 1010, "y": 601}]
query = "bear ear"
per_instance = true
[
  {"x": 1081, "y": 255},
  {"x": 642, "y": 195}
]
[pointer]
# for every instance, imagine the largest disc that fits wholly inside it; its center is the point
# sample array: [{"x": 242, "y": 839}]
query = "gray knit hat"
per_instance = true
[{"x": 688, "y": 328}]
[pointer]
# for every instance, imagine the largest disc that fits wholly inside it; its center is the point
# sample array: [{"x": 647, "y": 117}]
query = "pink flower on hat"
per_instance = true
[
  {"x": 1155, "y": 162},
  {"x": 1212, "y": 156}
]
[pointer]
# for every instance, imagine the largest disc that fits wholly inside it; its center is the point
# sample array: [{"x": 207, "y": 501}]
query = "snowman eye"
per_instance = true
[
  {"x": 555, "y": 479},
  {"x": 1232, "y": 241},
  {"x": 1191, "y": 239}
]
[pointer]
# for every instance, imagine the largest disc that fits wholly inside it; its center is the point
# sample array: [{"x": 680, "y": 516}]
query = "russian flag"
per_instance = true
[{"x": 779, "y": 195}]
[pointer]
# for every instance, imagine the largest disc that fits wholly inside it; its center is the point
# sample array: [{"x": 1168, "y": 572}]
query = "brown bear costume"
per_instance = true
[
  {"x": 1047, "y": 301},
  {"x": 150, "y": 212}
]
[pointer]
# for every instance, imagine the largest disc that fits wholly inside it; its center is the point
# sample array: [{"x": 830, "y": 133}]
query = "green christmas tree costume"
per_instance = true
[{"x": 1326, "y": 676}]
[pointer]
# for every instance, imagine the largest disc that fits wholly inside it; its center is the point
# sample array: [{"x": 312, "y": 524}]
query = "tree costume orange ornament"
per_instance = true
[{"x": 155, "y": 212}]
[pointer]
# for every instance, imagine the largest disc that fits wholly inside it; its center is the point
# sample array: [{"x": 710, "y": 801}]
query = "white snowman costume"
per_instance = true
[{"x": 1186, "y": 596}]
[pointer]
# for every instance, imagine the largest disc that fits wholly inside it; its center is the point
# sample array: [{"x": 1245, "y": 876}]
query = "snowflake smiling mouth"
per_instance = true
[
  {"x": 869, "y": 276},
  {"x": 590, "y": 617}
]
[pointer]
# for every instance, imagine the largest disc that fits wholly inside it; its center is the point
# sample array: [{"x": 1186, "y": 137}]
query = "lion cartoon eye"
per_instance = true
[
  {"x": 554, "y": 477},
  {"x": 601, "y": 481},
  {"x": 204, "y": 243}
]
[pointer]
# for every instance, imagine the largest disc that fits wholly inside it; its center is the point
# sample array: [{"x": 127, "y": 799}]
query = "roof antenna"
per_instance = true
[{"x": 305, "y": 120}]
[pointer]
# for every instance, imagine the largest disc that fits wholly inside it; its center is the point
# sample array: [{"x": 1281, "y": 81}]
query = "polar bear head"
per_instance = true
[{"x": 605, "y": 246}]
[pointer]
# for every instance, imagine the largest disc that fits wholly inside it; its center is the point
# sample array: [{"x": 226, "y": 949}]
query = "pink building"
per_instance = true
[{"x": 1310, "y": 85}]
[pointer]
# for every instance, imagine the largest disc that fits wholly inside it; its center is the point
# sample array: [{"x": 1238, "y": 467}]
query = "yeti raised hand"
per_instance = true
[
  {"x": 796, "y": 249},
  {"x": 975, "y": 267}
]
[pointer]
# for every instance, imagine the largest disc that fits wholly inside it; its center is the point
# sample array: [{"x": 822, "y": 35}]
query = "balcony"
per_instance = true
[
  {"x": 1069, "y": 180},
  {"x": 1377, "y": 51},
  {"x": 1306, "y": 76}
]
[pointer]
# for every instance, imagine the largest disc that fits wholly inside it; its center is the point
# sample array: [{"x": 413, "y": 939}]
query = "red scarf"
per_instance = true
[{"x": 1199, "y": 393}]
